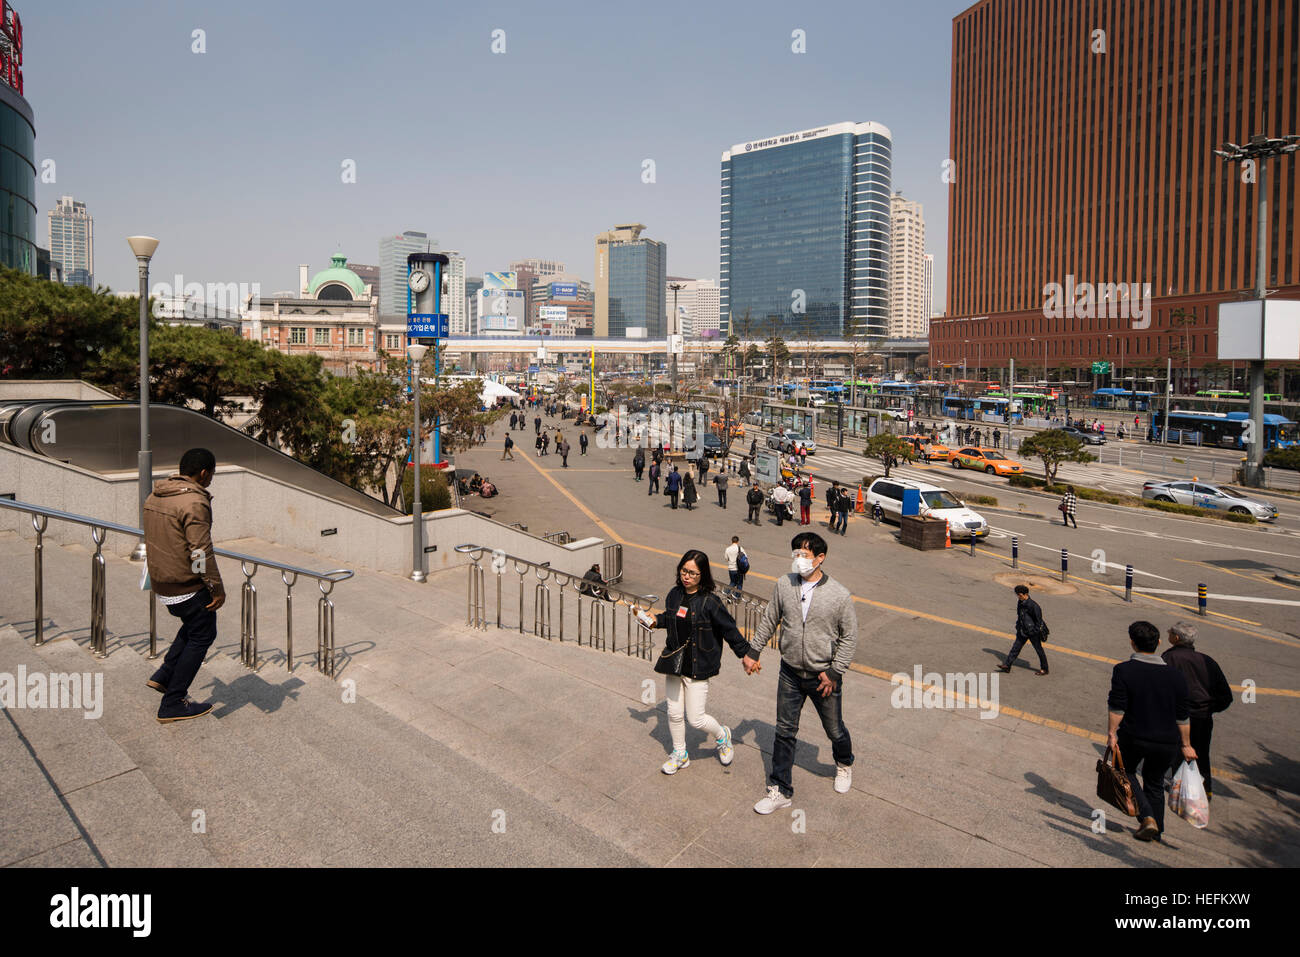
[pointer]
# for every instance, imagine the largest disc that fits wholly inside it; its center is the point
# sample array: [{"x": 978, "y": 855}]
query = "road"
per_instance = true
[{"x": 950, "y": 612}]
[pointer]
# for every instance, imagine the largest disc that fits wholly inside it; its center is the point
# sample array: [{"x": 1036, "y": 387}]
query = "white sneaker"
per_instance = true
[
  {"x": 725, "y": 751},
  {"x": 843, "y": 778},
  {"x": 774, "y": 801},
  {"x": 676, "y": 761}
]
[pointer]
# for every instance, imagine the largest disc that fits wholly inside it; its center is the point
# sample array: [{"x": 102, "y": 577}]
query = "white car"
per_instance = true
[
  {"x": 936, "y": 502},
  {"x": 896, "y": 413}
]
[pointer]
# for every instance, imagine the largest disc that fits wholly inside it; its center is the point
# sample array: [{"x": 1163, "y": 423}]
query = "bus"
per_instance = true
[
  {"x": 1222, "y": 429},
  {"x": 1116, "y": 398},
  {"x": 1222, "y": 394},
  {"x": 974, "y": 407}
]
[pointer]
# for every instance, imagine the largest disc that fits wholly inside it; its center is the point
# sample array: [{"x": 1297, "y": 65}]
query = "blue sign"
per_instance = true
[
  {"x": 564, "y": 290},
  {"x": 428, "y": 325},
  {"x": 533, "y": 370}
]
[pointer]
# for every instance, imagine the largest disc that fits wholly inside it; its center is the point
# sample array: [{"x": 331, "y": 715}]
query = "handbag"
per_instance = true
[{"x": 1113, "y": 785}]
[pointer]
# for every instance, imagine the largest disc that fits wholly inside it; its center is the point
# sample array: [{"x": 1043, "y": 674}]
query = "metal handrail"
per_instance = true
[{"x": 248, "y": 566}]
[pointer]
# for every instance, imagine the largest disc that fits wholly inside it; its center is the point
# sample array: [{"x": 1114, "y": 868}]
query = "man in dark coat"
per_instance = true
[
  {"x": 1208, "y": 691},
  {"x": 754, "y": 499},
  {"x": 1029, "y": 627},
  {"x": 673, "y": 485}
]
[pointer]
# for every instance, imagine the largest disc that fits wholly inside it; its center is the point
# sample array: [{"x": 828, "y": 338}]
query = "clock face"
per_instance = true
[{"x": 419, "y": 280}]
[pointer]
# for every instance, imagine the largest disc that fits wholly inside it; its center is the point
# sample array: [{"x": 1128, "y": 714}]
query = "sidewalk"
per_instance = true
[{"x": 491, "y": 747}]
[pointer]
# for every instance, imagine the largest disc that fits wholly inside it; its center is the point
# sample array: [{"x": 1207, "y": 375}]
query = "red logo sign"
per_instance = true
[{"x": 11, "y": 48}]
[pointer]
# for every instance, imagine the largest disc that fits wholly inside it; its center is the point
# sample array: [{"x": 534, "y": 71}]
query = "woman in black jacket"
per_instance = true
[
  {"x": 689, "y": 494},
  {"x": 697, "y": 623}
]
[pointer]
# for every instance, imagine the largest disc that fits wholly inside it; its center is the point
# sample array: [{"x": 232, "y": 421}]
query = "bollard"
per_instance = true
[
  {"x": 1015, "y": 552},
  {"x": 1065, "y": 563},
  {"x": 1202, "y": 595},
  {"x": 972, "y": 543},
  {"x": 1128, "y": 582}
]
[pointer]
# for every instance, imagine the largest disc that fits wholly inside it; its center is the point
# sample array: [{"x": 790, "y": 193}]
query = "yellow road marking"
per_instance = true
[{"x": 1255, "y": 576}]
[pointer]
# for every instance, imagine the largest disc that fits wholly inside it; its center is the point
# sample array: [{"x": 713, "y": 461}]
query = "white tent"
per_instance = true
[{"x": 495, "y": 390}]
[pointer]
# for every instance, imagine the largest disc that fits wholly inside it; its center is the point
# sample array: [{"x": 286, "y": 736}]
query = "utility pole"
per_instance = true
[{"x": 673, "y": 327}]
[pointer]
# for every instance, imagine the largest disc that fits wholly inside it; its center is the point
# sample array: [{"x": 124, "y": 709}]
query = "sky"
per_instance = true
[{"x": 236, "y": 157}]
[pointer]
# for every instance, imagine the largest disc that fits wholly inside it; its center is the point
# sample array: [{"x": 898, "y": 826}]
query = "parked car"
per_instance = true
[
  {"x": 898, "y": 414},
  {"x": 928, "y": 450},
  {"x": 787, "y": 440},
  {"x": 991, "y": 461},
  {"x": 713, "y": 446},
  {"x": 1205, "y": 495},
  {"x": 936, "y": 502},
  {"x": 1086, "y": 436}
]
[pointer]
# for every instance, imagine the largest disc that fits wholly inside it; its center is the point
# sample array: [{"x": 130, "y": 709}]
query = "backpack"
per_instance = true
[{"x": 742, "y": 562}]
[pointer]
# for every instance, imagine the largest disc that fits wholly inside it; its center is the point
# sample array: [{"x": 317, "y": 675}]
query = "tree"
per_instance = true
[
  {"x": 779, "y": 352},
  {"x": 1054, "y": 447},
  {"x": 889, "y": 449}
]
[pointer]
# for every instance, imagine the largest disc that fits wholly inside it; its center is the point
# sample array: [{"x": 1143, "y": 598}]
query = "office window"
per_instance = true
[
  {"x": 298, "y": 336},
  {"x": 322, "y": 337}
]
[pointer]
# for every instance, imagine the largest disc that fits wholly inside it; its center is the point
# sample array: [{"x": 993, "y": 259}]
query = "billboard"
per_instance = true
[
  {"x": 498, "y": 324},
  {"x": 553, "y": 313},
  {"x": 564, "y": 290},
  {"x": 500, "y": 280},
  {"x": 500, "y": 310},
  {"x": 11, "y": 48}
]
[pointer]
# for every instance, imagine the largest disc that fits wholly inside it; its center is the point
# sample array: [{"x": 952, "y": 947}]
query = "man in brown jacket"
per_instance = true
[{"x": 184, "y": 576}]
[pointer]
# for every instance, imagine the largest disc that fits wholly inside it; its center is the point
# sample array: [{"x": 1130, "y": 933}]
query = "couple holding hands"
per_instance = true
[{"x": 819, "y": 632}]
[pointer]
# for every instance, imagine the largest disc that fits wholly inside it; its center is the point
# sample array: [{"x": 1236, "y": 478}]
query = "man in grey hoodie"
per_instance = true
[{"x": 819, "y": 633}]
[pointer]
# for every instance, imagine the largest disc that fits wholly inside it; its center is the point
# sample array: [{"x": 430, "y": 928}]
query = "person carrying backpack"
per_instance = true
[{"x": 737, "y": 563}]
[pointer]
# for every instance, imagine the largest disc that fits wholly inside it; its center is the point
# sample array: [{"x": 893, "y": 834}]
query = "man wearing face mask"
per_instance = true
[{"x": 819, "y": 633}]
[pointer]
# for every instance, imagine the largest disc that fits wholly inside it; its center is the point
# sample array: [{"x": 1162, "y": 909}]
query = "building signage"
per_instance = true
[
  {"x": 787, "y": 139},
  {"x": 500, "y": 280},
  {"x": 427, "y": 325},
  {"x": 564, "y": 290},
  {"x": 11, "y": 48},
  {"x": 1100, "y": 368},
  {"x": 553, "y": 313},
  {"x": 499, "y": 324}
]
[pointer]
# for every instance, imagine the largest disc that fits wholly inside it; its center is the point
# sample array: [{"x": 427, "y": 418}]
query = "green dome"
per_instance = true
[{"x": 337, "y": 273}]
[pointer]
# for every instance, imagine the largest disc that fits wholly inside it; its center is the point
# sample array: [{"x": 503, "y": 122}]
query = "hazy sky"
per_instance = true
[{"x": 234, "y": 157}]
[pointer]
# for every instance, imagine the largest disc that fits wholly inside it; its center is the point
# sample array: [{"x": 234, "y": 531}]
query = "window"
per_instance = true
[
  {"x": 392, "y": 341},
  {"x": 297, "y": 336},
  {"x": 322, "y": 337},
  {"x": 356, "y": 336}
]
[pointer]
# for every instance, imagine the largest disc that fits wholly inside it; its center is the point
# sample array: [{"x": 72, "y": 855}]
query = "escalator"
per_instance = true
[{"x": 105, "y": 437}]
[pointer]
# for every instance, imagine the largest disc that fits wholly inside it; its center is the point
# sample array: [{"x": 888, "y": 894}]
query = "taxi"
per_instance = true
[
  {"x": 927, "y": 449},
  {"x": 737, "y": 430},
  {"x": 991, "y": 461}
]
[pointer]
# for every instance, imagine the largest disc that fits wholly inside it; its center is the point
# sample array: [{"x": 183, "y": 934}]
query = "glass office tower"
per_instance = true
[
  {"x": 638, "y": 277},
  {"x": 805, "y": 224},
  {"x": 17, "y": 182}
]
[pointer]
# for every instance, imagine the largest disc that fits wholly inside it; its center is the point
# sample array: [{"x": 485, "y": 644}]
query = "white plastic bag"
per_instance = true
[{"x": 1187, "y": 797}]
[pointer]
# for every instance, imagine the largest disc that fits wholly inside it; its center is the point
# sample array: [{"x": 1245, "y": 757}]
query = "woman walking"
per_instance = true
[
  {"x": 697, "y": 624},
  {"x": 689, "y": 494},
  {"x": 1069, "y": 505},
  {"x": 638, "y": 462}
]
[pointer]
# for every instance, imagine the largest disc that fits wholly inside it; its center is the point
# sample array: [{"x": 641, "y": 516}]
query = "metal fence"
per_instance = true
[
  {"x": 248, "y": 566},
  {"x": 539, "y": 600}
]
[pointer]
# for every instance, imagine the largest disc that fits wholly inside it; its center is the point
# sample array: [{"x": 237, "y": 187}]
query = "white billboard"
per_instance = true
[
  {"x": 1260, "y": 329},
  {"x": 553, "y": 313},
  {"x": 500, "y": 311}
]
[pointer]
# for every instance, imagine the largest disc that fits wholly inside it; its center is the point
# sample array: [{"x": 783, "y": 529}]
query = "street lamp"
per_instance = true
[
  {"x": 417, "y": 352},
  {"x": 1257, "y": 151},
  {"x": 675, "y": 287},
  {"x": 143, "y": 247}
]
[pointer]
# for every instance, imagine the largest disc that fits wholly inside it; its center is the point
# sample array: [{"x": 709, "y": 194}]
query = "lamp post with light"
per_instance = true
[
  {"x": 416, "y": 353},
  {"x": 143, "y": 247}
]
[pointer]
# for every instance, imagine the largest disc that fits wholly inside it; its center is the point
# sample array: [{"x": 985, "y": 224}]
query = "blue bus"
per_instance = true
[
  {"x": 966, "y": 406},
  {"x": 1223, "y": 429},
  {"x": 1113, "y": 398}
]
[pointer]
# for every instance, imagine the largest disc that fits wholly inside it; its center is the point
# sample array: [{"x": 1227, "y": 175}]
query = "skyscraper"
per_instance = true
[
  {"x": 453, "y": 302},
  {"x": 907, "y": 304},
  {"x": 805, "y": 231},
  {"x": 72, "y": 242},
  {"x": 929, "y": 291},
  {"x": 17, "y": 154},
  {"x": 393, "y": 251},
  {"x": 631, "y": 279},
  {"x": 697, "y": 301}
]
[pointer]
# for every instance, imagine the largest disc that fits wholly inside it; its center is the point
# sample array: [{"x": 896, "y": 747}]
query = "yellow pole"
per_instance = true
[{"x": 593, "y": 382}]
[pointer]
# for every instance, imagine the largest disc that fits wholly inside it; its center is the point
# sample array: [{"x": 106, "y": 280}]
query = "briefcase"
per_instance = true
[{"x": 1113, "y": 785}]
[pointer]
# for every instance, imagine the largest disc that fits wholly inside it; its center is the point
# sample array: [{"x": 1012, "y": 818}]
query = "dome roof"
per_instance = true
[{"x": 339, "y": 275}]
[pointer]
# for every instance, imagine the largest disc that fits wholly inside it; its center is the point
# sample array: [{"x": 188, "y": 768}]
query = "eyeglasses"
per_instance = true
[{"x": 689, "y": 574}]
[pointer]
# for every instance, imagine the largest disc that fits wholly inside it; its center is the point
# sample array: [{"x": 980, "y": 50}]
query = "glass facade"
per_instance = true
[
  {"x": 17, "y": 183},
  {"x": 638, "y": 276},
  {"x": 810, "y": 215}
]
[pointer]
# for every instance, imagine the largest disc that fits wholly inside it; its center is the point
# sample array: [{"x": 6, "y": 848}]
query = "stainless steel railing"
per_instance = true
[
  {"x": 609, "y": 612},
  {"x": 248, "y": 566}
]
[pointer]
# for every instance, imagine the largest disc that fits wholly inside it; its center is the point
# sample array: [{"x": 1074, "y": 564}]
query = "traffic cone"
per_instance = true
[
  {"x": 862, "y": 502},
  {"x": 947, "y": 533}
]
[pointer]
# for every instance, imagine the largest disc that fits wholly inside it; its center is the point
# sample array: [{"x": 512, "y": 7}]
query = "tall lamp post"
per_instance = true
[
  {"x": 143, "y": 247},
  {"x": 1257, "y": 151},
  {"x": 417, "y": 352},
  {"x": 675, "y": 325}
]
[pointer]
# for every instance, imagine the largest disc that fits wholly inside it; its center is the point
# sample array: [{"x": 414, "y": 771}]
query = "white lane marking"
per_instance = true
[
  {"x": 1216, "y": 597},
  {"x": 1164, "y": 536},
  {"x": 1088, "y": 559}
]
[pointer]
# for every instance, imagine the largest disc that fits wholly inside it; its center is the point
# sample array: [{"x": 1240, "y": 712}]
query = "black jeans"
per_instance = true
[
  {"x": 654, "y": 485},
  {"x": 722, "y": 497},
  {"x": 190, "y": 646},
  {"x": 753, "y": 513},
  {"x": 673, "y": 496},
  {"x": 791, "y": 690},
  {"x": 1020, "y": 643},
  {"x": 1202, "y": 729},
  {"x": 1156, "y": 760}
]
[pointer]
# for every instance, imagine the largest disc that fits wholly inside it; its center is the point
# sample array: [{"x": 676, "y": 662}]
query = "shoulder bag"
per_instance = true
[{"x": 1113, "y": 785}]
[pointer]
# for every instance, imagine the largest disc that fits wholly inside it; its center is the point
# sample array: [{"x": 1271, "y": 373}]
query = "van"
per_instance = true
[{"x": 936, "y": 502}]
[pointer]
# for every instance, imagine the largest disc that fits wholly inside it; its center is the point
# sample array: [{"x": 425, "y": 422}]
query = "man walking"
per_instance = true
[
  {"x": 654, "y": 478},
  {"x": 754, "y": 499},
  {"x": 1208, "y": 691},
  {"x": 564, "y": 453},
  {"x": 537, "y": 425},
  {"x": 1148, "y": 720},
  {"x": 733, "y": 556},
  {"x": 508, "y": 454},
  {"x": 819, "y": 633},
  {"x": 703, "y": 466},
  {"x": 674, "y": 485},
  {"x": 1029, "y": 627},
  {"x": 514, "y": 420},
  {"x": 582, "y": 443},
  {"x": 805, "y": 504},
  {"x": 720, "y": 480},
  {"x": 743, "y": 471},
  {"x": 546, "y": 443},
  {"x": 783, "y": 498},
  {"x": 182, "y": 568}
]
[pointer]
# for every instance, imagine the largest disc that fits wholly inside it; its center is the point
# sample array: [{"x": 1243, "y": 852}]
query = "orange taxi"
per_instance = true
[
  {"x": 927, "y": 449},
  {"x": 991, "y": 461}
]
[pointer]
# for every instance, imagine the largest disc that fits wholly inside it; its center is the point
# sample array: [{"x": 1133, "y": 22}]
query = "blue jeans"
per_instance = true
[
  {"x": 185, "y": 656},
  {"x": 791, "y": 690},
  {"x": 841, "y": 522},
  {"x": 737, "y": 578}
]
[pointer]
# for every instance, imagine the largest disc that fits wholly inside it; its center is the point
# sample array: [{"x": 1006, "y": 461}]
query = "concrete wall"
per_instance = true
[
  {"x": 16, "y": 389},
  {"x": 248, "y": 505}
]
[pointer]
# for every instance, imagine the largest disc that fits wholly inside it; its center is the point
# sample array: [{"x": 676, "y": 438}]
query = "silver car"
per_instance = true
[
  {"x": 1204, "y": 495},
  {"x": 787, "y": 440}
]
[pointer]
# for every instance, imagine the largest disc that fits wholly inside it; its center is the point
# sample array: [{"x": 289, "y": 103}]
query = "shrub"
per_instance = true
[
  {"x": 1026, "y": 481},
  {"x": 435, "y": 494},
  {"x": 981, "y": 500},
  {"x": 1283, "y": 459}
]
